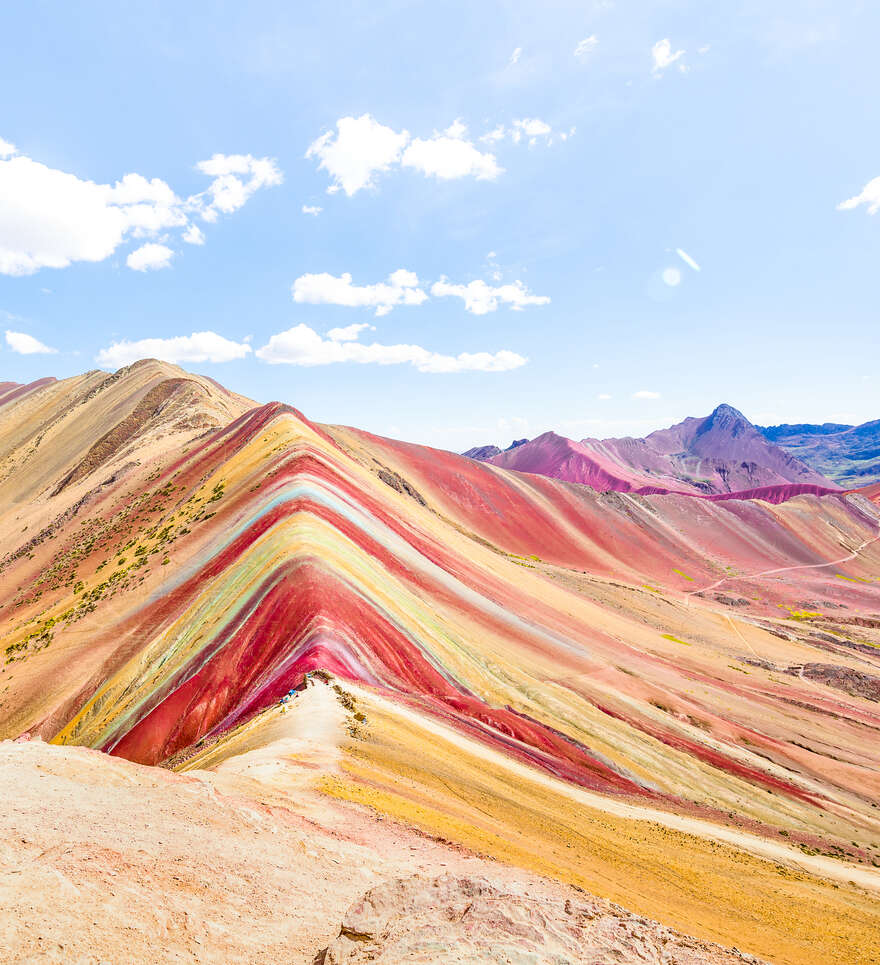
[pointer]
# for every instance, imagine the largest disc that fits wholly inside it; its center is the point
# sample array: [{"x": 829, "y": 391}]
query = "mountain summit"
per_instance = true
[{"x": 717, "y": 454}]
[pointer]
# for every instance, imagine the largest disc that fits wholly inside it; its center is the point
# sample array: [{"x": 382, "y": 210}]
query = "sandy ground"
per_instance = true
[{"x": 102, "y": 860}]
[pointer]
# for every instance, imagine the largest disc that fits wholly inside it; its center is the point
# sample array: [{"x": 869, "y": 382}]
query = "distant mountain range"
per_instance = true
[
  {"x": 850, "y": 455},
  {"x": 720, "y": 454}
]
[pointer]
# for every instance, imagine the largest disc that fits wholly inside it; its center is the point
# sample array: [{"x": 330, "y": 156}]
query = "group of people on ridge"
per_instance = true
[{"x": 286, "y": 699}]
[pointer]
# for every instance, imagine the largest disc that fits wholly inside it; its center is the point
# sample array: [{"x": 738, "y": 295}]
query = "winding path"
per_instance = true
[{"x": 787, "y": 569}]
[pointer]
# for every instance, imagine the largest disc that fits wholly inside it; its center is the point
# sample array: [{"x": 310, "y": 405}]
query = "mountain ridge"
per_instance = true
[
  {"x": 722, "y": 453},
  {"x": 512, "y": 656},
  {"x": 850, "y": 455}
]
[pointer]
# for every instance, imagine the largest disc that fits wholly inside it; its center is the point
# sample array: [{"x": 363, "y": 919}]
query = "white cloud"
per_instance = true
[
  {"x": 312, "y": 209},
  {"x": 360, "y": 148},
  {"x": 671, "y": 277},
  {"x": 531, "y": 127},
  {"x": 869, "y": 195},
  {"x": 302, "y": 345},
  {"x": 526, "y": 128},
  {"x": 645, "y": 394},
  {"x": 26, "y": 344},
  {"x": 496, "y": 134},
  {"x": 586, "y": 46},
  {"x": 149, "y": 206},
  {"x": 194, "y": 235},
  {"x": 236, "y": 178},
  {"x": 50, "y": 218},
  {"x": 450, "y": 155},
  {"x": 514, "y": 57},
  {"x": 480, "y": 298},
  {"x": 664, "y": 56},
  {"x": 686, "y": 258},
  {"x": 704, "y": 49},
  {"x": 150, "y": 257},
  {"x": 603, "y": 396},
  {"x": 198, "y": 347},
  {"x": 402, "y": 288},
  {"x": 349, "y": 333}
]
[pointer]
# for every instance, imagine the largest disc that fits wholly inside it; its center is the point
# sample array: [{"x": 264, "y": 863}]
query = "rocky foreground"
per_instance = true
[{"x": 102, "y": 860}]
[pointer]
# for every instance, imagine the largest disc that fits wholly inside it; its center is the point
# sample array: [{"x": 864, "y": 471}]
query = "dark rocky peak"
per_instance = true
[{"x": 482, "y": 453}]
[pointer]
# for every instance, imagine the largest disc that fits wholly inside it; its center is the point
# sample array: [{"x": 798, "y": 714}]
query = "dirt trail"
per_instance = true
[{"x": 786, "y": 569}]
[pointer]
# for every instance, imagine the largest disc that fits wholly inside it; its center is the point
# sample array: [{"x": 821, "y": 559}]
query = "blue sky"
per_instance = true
[{"x": 510, "y": 185}]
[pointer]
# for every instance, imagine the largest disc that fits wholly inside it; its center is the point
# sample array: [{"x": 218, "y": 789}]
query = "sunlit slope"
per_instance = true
[
  {"x": 762, "y": 893},
  {"x": 55, "y": 433}
]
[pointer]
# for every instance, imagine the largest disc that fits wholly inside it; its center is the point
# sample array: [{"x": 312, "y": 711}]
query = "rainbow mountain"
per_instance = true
[{"x": 667, "y": 701}]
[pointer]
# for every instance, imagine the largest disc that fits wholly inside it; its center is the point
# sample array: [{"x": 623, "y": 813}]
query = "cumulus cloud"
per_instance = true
[
  {"x": 586, "y": 46},
  {"x": 671, "y": 277},
  {"x": 480, "y": 298},
  {"x": 312, "y": 209},
  {"x": 236, "y": 178},
  {"x": 194, "y": 235},
  {"x": 645, "y": 394},
  {"x": 150, "y": 257},
  {"x": 402, "y": 288},
  {"x": 51, "y": 218},
  {"x": 450, "y": 155},
  {"x": 664, "y": 56},
  {"x": 198, "y": 347},
  {"x": 302, "y": 345},
  {"x": 26, "y": 344},
  {"x": 531, "y": 127},
  {"x": 349, "y": 333},
  {"x": 869, "y": 195},
  {"x": 356, "y": 151},
  {"x": 361, "y": 148}
]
